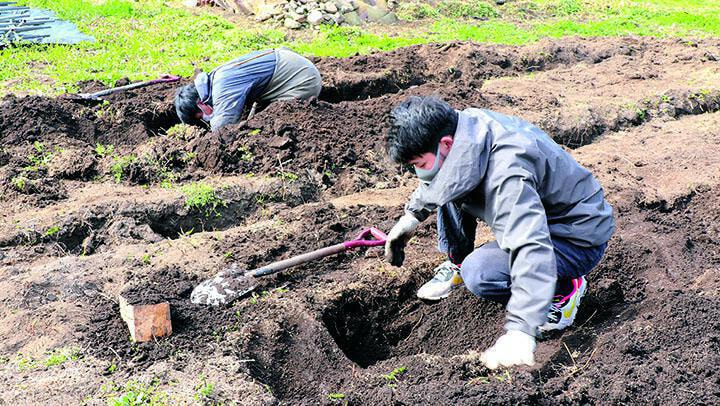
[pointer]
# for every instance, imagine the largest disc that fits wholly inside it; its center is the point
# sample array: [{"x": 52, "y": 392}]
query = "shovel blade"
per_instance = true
[{"x": 223, "y": 289}]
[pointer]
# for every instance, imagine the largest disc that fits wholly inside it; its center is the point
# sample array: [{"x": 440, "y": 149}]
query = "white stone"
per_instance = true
[
  {"x": 315, "y": 17},
  {"x": 330, "y": 7},
  {"x": 292, "y": 24},
  {"x": 263, "y": 17}
]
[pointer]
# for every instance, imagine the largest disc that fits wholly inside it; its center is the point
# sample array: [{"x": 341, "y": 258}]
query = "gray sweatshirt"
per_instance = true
[
  {"x": 514, "y": 177},
  {"x": 268, "y": 75}
]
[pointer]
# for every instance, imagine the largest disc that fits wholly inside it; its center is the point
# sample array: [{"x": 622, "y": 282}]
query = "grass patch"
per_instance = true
[
  {"x": 52, "y": 231},
  {"x": 135, "y": 393},
  {"x": 142, "y": 40},
  {"x": 120, "y": 166},
  {"x": 336, "y": 396},
  {"x": 104, "y": 150},
  {"x": 393, "y": 375},
  {"x": 53, "y": 358},
  {"x": 40, "y": 158},
  {"x": 411, "y": 11},
  {"x": 205, "y": 392},
  {"x": 202, "y": 197},
  {"x": 19, "y": 182},
  {"x": 60, "y": 356},
  {"x": 468, "y": 8}
]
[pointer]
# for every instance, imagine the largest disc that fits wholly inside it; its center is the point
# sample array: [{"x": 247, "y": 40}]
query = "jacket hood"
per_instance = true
[
  {"x": 202, "y": 84},
  {"x": 464, "y": 167}
]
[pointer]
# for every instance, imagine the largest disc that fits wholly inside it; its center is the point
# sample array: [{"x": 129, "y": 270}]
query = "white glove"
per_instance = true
[
  {"x": 513, "y": 348},
  {"x": 398, "y": 237}
]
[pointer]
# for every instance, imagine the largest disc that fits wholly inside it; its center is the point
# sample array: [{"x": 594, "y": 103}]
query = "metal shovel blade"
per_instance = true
[{"x": 224, "y": 288}]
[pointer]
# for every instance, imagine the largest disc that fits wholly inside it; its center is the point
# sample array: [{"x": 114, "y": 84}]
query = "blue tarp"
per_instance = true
[
  {"x": 36, "y": 25},
  {"x": 59, "y": 31}
]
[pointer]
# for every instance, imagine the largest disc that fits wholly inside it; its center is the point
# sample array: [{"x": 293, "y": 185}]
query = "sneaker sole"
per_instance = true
[
  {"x": 571, "y": 319},
  {"x": 436, "y": 298}
]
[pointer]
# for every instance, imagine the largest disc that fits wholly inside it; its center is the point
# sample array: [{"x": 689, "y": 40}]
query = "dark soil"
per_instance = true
[{"x": 647, "y": 332}]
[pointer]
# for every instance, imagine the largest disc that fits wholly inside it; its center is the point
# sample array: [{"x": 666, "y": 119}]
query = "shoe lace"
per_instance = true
[
  {"x": 445, "y": 271},
  {"x": 555, "y": 306},
  {"x": 557, "y": 303}
]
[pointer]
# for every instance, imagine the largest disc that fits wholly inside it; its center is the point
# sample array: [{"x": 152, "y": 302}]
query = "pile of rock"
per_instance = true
[{"x": 296, "y": 14}]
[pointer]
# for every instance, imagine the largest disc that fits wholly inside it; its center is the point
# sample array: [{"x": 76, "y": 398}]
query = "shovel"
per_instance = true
[
  {"x": 97, "y": 96},
  {"x": 232, "y": 283}
]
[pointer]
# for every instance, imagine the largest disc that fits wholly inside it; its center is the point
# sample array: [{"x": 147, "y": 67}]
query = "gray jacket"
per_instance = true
[{"x": 514, "y": 177}]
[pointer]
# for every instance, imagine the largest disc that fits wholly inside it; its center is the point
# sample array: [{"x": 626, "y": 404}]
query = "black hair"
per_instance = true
[
  {"x": 417, "y": 125},
  {"x": 186, "y": 104}
]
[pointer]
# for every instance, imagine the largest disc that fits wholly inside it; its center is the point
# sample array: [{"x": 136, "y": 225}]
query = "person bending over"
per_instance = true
[{"x": 220, "y": 96}]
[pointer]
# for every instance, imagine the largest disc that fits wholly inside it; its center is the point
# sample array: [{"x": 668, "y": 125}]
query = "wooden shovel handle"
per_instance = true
[{"x": 297, "y": 260}]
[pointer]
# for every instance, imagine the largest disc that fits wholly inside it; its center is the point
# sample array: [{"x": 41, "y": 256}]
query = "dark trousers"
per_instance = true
[{"x": 486, "y": 270}]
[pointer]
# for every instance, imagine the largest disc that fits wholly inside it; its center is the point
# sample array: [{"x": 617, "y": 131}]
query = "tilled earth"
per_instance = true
[{"x": 79, "y": 225}]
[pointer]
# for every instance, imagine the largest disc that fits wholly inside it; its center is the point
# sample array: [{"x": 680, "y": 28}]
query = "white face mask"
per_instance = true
[{"x": 427, "y": 175}]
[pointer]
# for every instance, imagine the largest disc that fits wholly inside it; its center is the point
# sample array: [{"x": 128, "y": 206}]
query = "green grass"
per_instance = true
[
  {"x": 202, "y": 198},
  {"x": 204, "y": 391},
  {"x": 52, "y": 231},
  {"x": 120, "y": 165},
  {"x": 55, "y": 357},
  {"x": 19, "y": 182},
  {"x": 104, "y": 150},
  {"x": 60, "y": 356},
  {"x": 411, "y": 11},
  {"x": 468, "y": 8},
  {"x": 393, "y": 375},
  {"x": 135, "y": 393},
  {"x": 39, "y": 159},
  {"x": 142, "y": 40}
]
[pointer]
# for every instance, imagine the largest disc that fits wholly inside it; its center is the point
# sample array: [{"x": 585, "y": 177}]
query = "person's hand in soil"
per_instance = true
[
  {"x": 513, "y": 348},
  {"x": 398, "y": 237}
]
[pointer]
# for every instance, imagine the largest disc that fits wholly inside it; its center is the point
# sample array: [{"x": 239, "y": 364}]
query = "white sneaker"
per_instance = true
[
  {"x": 447, "y": 277},
  {"x": 564, "y": 308}
]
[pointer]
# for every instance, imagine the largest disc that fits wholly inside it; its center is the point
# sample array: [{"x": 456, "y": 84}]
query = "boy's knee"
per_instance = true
[
  {"x": 483, "y": 278},
  {"x": 483, "y": 287}
]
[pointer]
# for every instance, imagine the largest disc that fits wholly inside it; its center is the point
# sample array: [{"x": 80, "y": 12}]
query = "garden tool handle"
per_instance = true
[
  {"x": 369, "y": 237},
  {"x": 297, "y": 260},
  {"x": 163, "y": 79}
]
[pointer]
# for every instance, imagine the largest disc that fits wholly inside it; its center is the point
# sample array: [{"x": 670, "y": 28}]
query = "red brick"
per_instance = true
[{"x": 146, "y": 321}]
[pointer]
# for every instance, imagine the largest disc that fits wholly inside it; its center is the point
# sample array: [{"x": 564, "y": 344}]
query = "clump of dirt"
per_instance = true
[{"x": 106, "y": 335}]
